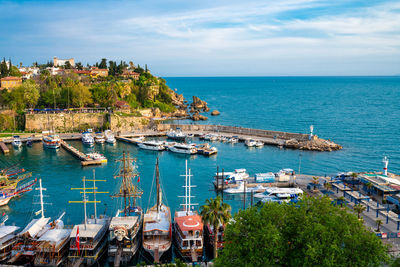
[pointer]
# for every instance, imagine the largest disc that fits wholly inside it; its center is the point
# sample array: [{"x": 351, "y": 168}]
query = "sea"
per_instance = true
[{"x": 360, "y": 113}]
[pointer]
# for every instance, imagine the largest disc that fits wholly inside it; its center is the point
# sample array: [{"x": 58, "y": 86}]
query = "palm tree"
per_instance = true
[
  {"x": 359, "y": 209},
  {"x": 315, "y": 182},
  {"x": 328, "y": 186},
  {"x": 215, "y": 212},
  {"x": 341, "y": 200},
  {"x": 378, "y": 224}
]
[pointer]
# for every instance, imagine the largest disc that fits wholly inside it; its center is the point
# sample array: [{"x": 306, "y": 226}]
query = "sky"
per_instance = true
[{"x": 210, "y": 37}]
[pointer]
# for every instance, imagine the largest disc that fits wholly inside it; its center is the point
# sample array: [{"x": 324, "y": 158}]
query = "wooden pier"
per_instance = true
[
  {"x": 85, "y": 159},
  {"x": 4, "y": 148}
]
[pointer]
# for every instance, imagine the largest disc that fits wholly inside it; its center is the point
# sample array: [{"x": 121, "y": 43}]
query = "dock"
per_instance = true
[
  {"x": 4, "y": 148},
  {"x": 85, "y": 159}
]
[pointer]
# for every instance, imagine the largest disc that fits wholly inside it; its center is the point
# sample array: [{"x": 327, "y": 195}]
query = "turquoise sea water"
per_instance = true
[{"x": 360, "y": 113}]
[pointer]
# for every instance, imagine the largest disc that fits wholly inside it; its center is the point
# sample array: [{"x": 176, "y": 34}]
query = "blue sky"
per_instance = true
[{"x": 210, "y": 38}]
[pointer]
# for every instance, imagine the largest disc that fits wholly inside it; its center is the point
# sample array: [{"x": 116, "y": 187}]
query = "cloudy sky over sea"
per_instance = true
[{"x": 210, "y": 38}]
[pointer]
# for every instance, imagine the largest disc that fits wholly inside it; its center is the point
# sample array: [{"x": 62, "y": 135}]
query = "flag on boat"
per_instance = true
[
  {"x": 138, "y": 179},
  {"x": 77, "y": 239}
]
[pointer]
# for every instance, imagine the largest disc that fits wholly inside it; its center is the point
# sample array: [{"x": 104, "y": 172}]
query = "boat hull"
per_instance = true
[
  {"x": 153, "y": 148},
  {"x": 183, "y": 151}
]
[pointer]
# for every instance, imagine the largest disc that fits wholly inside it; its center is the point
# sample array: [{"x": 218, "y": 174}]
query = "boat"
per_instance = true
[
  {"x": 125, "y": 238},
  {"x": 99, "y": 138},
  {"x": 52, "y": 248},
  {"x": 8, "y": 237},
  {"x": 52, "y": 141},
  {"x": 88, "y": 139},
  {"x": 110, "y": 138},
  {"x": 188, "y": 225},
  {"x": 224, "y": 139},
  {"x": 9, "y": 193},
  {"x": 241, "y": 188},
  {"x": 250, "y": 143},
  {"x": 212, "y": 137},
  {"x": 176, "y": 135},
  {"x": 210, "y": 235},
  {"x": 234, "y": 177},
  {"x": 16, "y": 142},
  {"x": 29, "y": 141},
  {"x": 259, "y": 144},
  {"x": 183, "y": 148},
  {"x": 24, "y": 251},
  {"x": 97, "y": 156},
  {"x": 233, "y": 140},
  {"x": 152, "y": 145},
  {"x": 206, "y": 149},
  {"x": 88, "y": 241},
  {"x": 157, "y": 231},
  {"x": 280, "y": 195}
]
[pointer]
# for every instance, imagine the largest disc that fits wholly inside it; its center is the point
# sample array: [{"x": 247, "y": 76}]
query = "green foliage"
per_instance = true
[
  {"x": 312, "y": 232},
  {"x": 14, "y": 71},
  {"x": 103, "y": 64},
  {"x": 6, "y": 123},
  {"x": 164, "y": 107},
  {"x": 4, "y": 69}
]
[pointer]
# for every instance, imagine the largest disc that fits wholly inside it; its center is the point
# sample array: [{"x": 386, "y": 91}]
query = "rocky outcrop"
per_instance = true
[
  {"x": 215, "y": 113},
  {"x": 316, "y": 144},
  {"x": 180, "y": 113},
  {"x": 178, "y": 100},
  {"x": 198, "y": 117},
  {"x": 198, "y": 105}
]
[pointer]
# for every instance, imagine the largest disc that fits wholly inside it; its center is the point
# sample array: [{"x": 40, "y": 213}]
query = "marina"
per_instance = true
[{"x": 86, "y": 160}]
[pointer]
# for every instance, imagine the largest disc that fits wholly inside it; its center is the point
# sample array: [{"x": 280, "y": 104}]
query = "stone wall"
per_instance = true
[
  {"x": 234, "y": 130},
  {"x": 64, "y": 122},
  {"x": 127, "y": 123}
]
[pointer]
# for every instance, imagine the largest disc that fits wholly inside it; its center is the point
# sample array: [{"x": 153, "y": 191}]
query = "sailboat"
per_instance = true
[
  {"x": 124, "y": 237},
  {"x": 88, "y": 241},
  {"x": 25, "y": 250},
  {"x": 8, "y": 237},
  {"x": 188, "y": 225},
  {"x": 157, "y": 235}
]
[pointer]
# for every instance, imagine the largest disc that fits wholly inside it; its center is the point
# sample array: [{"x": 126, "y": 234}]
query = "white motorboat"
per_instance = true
[
  {"x": 241, "y": 188},
  {"x": 250, "y": 143},
  {"x": 235, "y": 177},
  {"x": 87, "y": 138},
  {"x": 110, "y": 138},
  {"x": 100, "y": 138},
  {"x": 152, "y": 145},
  {"x": 183, "y": 148},
  {"x": 97, "y": 156},
  {"x": 233, "y": 140},
  {"x": 16, "y": 142},
  {"x": 259, "y": 144},
  {"x": 280, "y": 195},
  {"x": 176, "y": 135}
]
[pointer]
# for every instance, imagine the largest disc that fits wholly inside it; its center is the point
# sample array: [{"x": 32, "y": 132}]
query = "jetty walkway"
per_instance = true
[{"x": 85, "y": 159}]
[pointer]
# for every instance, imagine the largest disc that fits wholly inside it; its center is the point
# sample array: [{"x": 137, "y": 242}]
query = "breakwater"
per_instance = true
[{"x": 283, "y": 139}]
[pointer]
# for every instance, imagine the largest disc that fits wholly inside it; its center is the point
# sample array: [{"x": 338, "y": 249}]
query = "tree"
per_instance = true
[
  {"x": 14, "y": 71},
  {"x": 315, "y": 182},
  {"x": 215, "y": 212},
  {"x": 378, "y": 224},
  {"x": 80, "y": 95},
  {"x": 67, "y": 65},
  {"x": 328, "y": 186},
  {"x": 30, "y": 93},
  {"x": 369, "y": 188},
  {"x": 79, "y": 66},
  {"x": 3, "y": 69},
  {"x": 312, "y": 232},
  {"x": 103, "y": 64},
  {"x": 359, "y": 209},
  {"x": 341, "y": 200}
]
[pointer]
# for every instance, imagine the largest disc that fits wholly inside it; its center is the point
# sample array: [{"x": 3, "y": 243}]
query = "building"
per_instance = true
[
  {"x": 82, "y": 72},
  {"x": 96, "y": 72},
  {"x": 379, "y": 186},
  {"x": 122, "y": 106},
  {"x": 10, "y": 82},
  {"x": 61, "y": 62},
  {"x": 130, "y": 74}
]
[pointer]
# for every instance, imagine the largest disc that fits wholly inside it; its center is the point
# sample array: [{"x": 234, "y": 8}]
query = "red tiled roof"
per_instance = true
[
  {"x": 11, "y": 78},
  {"x": 121, "y": 103},
  {"x": 82, "y": 71}
]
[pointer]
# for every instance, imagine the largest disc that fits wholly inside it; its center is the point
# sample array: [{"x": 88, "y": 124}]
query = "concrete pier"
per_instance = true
[
  {"x": 85, "y": 159},
  {"x": 4, "y": 148}
]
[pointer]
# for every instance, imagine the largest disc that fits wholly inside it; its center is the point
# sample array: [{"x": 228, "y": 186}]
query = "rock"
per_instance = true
[
  {"x": 197, "y": 117},
  {"x": 215, "y": 113},
  {"x": 156, "y": 112},
  {"x": 180, "y": 113},
  {"x": 199, "y": 105}
]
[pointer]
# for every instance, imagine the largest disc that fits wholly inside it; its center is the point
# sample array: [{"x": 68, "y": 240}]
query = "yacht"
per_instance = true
[
  {"x": 88, "y": 241},
  {"x": 16, "y": 142},
  {"x": 233, "y": 140},
  {"x": 188, "y": 226},
  {"x": 280, "y": 195},
  {"x": 157, "y": 230},
  {"x": 259, "y": 144},
  {"x": 29, "y": 141},
  {"x": 87, "y": 138},
  {"x": 97, "y": 156},
  {"x": 176, "y": 135},
  {"x": 51, "y": 141},
  {"x": 152, "y": 145},
  {"x": 183, "y": 148},
  {"x": 240, "y": 189},
  {"x": 233, "y": 177},
  {"x": 110, "y": 138},
  {"x": 125, "y": 238},
  {"x": 250, "y": 143},
  {"x": 99, "y": 138}
]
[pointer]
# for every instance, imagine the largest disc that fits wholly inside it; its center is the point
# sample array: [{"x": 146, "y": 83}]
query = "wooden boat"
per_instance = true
[
  {"x": 157, "y": 232},
  {"x": 8, "y": 238},
  {"x": 124, "y": 237},
  {"x": 188, "y": 226},
  {"x": 52, "y": 248},
  {"x": 88, "y": 241}
]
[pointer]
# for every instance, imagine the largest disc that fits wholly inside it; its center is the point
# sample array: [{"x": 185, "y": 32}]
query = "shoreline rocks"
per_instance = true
[
  {"x": 215, "y": 112},
  {"x": 316, "y": 144}
]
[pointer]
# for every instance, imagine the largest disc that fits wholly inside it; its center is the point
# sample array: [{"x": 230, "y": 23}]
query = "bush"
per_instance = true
[{"x": 164, "y": 107}]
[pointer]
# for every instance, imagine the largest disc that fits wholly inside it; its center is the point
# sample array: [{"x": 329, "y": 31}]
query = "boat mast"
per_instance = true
[
  {"x": 186, "y": 189},
  {"x": 84, "y": 199},
  {"x": 41, "y": 198},
  {"x": 124, "y": 182},
  {"x": 158, "y": 188},
  {"x": 94, "y": 196}
]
